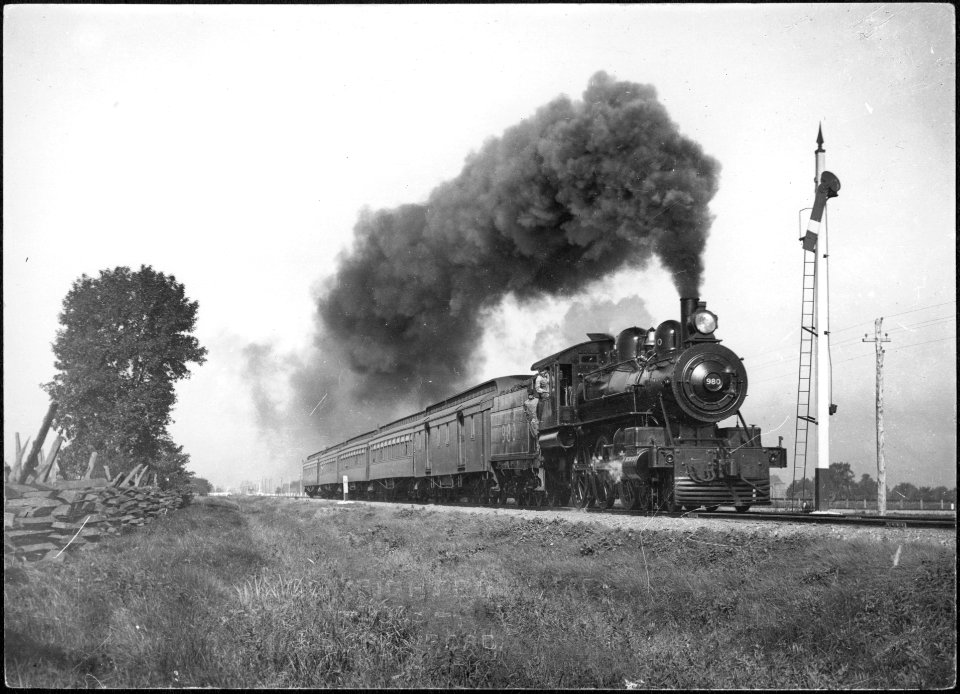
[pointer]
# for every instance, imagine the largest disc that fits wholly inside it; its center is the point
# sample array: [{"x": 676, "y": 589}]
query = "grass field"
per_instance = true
[{"x": 300, "y": 593}]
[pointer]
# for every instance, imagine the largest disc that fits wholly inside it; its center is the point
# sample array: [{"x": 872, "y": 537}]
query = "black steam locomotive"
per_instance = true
[{"x": 632, "y": 418}]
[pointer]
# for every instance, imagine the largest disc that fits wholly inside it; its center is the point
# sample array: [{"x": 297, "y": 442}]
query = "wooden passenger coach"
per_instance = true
[{"x": 472, "y": 443}]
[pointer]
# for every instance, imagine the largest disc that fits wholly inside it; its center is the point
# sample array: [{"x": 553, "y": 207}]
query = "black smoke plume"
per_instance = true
[{"x": 564, "y": 198}]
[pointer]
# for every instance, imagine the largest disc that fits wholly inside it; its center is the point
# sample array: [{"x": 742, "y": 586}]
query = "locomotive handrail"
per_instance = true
[
  {"x": 746, "y": 432},
  {"x": 666, "y": 419},
  {"x": 608, "y": 418}
]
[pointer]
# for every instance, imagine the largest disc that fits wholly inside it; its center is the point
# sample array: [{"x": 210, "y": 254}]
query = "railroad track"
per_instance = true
[
  {"x": 838, "y": 519},
  {"x": 822, "y": 518}
]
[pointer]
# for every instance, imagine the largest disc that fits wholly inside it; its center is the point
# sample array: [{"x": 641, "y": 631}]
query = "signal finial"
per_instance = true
[{"x": 820, "y": 138}]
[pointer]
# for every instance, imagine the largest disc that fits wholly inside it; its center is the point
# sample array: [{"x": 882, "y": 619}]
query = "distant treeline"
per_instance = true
[{"x": 839, "y": 482}]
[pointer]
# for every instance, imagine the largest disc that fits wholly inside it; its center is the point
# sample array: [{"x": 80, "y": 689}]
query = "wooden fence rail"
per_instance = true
[{"x": 44, "y": 514}]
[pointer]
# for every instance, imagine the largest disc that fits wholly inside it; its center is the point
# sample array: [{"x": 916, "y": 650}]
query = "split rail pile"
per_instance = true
[
  {"x": 43, "y": 514},
  {"x": 42, "y": 519}
]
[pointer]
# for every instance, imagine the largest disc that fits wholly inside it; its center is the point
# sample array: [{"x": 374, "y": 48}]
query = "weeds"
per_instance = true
[{"x": 296, "y": 593}]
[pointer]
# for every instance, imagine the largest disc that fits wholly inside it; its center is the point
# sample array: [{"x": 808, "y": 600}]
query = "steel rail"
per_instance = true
[{"x": 836, "y": 519}]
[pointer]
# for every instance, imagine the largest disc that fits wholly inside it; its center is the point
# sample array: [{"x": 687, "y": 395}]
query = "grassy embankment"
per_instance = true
[{"x": 298, "y": 593}]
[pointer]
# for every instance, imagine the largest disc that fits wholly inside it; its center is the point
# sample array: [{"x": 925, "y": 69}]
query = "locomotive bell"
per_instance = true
[{"x": 651, "y": 340}]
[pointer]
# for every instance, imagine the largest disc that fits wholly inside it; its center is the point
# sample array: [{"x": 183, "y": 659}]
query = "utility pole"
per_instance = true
[{"x": 881, "y": 471}]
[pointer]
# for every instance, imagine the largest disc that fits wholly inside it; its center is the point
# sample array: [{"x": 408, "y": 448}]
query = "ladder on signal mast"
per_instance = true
[{"x": 808, "y": 332}]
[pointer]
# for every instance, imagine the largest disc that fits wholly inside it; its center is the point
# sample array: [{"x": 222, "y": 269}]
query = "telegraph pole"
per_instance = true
[{"x": 881, "y": 471}]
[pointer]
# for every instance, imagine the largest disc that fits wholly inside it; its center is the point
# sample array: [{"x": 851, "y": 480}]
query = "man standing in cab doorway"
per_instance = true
[
  {"x": 542, "y": 387},
  {"x": 530, "y": 412}
]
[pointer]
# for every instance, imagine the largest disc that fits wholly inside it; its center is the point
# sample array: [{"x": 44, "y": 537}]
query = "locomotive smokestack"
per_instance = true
[{"x": 687, "y": 306}]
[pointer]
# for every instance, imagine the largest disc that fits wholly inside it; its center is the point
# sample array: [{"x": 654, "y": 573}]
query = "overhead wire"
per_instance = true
[
  {"x": 857, "y": 356},
  {"x": 921, "y": 324},
  {"x": 929, "y": 322}
]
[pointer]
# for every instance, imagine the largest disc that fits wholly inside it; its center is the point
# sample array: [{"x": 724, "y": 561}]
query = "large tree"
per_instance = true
[
  {"x": 839, "y": 482},
  {"x": 125, "y": 341}
]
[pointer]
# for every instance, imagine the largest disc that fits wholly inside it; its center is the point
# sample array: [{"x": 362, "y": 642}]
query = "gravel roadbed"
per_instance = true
[{"x": 941, "y": 536}]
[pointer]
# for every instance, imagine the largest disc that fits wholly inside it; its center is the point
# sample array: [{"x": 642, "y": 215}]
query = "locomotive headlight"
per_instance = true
[{"x": 704, "y": 321}]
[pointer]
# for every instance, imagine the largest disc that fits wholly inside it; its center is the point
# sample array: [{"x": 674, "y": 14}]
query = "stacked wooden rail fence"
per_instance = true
[
  {"x": 44, "y": 515},
  {"x": 41, "y": 520}
]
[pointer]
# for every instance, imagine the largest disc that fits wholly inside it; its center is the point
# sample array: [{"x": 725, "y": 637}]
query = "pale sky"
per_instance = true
[{"x": 233, "y": 147}]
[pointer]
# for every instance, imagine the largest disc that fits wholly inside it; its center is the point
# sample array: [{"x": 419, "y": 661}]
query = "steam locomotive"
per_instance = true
[{"x": 633, "y": 418}]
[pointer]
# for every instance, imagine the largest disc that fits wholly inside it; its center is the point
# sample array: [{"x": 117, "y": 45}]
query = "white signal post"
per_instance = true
[
  {"x": 823, "y": 345},
  {"x": 826, "y": 186}
]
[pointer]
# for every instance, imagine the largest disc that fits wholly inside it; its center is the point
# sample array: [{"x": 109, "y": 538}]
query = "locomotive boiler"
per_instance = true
[{"x": 634, "y": 417}]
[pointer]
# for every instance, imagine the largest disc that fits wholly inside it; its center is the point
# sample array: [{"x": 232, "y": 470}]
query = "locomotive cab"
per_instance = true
[{"x": 566, "y": 371}]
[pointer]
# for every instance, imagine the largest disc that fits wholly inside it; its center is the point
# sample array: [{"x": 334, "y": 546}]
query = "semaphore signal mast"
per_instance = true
[{"x": 815, "y": 329}]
